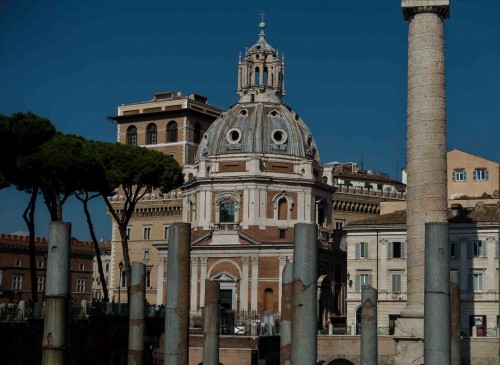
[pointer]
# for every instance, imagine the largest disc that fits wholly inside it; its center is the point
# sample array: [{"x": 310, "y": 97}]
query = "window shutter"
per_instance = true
[
  {"x": 470, "y": 248},
  {"x": 465, "y": 175},
  {"x": 370, "y": 280},
  {"x": 358, "y": 284},
  {"x": 366, "y": 255},
  {"x": 497, "y": 249},
  {"x": 469, "y": 283},
  {"x": 483, "y": 248},
  {"x": 403, "y": 250},
  {"x": 357, "y": 250},
  {"x": 458, "y": 246},
  {"x": 389, "y": 250},
  {"x": 474, "y": 175},
  {"x": 486, "y": 174},
  {"x": 453, "y": 176}
]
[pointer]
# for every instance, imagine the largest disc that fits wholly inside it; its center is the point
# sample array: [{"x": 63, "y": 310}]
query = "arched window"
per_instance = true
[
  {"x": 132, "y": 135},
  {"x": 268, "y": 300},
  {"x": 151, "y": 134},
  {"x": 257, "y": 76},
  {"x": 226, "y": 212},
  {"x": 283, "y": 209},
  {"x": 197, "y": 133},
  {"x": 172, "y": 132}
]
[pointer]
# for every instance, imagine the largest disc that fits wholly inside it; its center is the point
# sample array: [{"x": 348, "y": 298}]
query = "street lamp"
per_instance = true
[{"x": 120, "y": 266}]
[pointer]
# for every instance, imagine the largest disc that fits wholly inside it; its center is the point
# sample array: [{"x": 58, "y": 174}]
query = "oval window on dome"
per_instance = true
[
  {"x": 279, "y": 136},
  {"x": 233, "y": 136}
]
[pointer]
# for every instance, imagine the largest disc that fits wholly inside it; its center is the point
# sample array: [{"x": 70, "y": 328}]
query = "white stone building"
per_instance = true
[{"x": 376, "y": 254}]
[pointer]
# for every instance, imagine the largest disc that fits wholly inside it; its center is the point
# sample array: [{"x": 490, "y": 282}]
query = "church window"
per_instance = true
[
  {"x": 282, "y": 209},
  {"x": 268, "y": 300},
  {"x": 172, "y": 131},
  {"x": 257, "y": 76},
  {"x": 132, "y": 135},
  {"x": 197, "y": 133},
  {"x": 279, "y": 136},
  {"x": 227, "y": 212},
  {"x": 265, "y": 76},
  {"x": 151, "y": 134},
  {"x": 234, "y": 136}
]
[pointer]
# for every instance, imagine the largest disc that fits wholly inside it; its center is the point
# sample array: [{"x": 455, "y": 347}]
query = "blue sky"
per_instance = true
[{"x": 74, "y": 62}]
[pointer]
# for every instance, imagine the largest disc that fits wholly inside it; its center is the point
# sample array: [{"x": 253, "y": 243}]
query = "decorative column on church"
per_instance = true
[
  {"x": 159, "y": 280},
  {"x": 280, "y": 268},
  {"x": 255, "y": 282},
  {"x": 244, "y": 285},
  {"x": 426, "y": 159},
  {"x": 203, "y": 277},
  {"x": 194, "y": 284}
]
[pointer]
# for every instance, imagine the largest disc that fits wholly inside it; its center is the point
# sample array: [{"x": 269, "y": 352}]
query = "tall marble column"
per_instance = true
[
  {"x": 426, "y": 159},
  {"x": 244, "y": 285},
  {"x": 160, "y": 280},
  {"x": 203, "y": 277},
  {"x": 194, "y": 285}
]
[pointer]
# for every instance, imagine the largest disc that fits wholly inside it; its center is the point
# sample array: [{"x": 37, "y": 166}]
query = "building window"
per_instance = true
[
  {"x": 165, "y": 232},
  {"x": 147, "y": 233},
  {"x": 477, "y": 283},
  {"x": 145, "y": 255},
  {"x": 128, "y": 232},
  {"x": 362, "y": 279},
  {"x": 459, "y": 175},
  {"x": 41, "y": 264},
  {"x": 268, "y": 300},
  {"x": 151, "y": 134},
  {"x": 148, "y": 279},
  {"x": 123, "y": 281},
  {"x": 396, "y": 250},
  {"x": 172, "y": 130},
  {"x": 19, "y": 262},
  {"x": 17, "y": 282},
  {"x": 282, "y": 233},
  {"x": 80, "y": 285},
  {"x": 396, "y": 283},
  {"x": 132, "y": 135},
  {"x": 339, "y": 225},
  {"x": 226, "y": 212},
  {"x": 362, "y": 250},
  {"x": 197, "y": 133},
  {"x": 454, "y": 249},
  {"x": 82, "y": 267},
  {"x": 40, "y": 281},
  {"x": 480, "y": 175},
  {"x": 477, "y": 249},
  {"x": 106, "y": 267}
]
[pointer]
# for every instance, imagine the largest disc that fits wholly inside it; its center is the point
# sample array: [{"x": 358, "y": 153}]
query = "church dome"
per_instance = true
[
  {"x": 260, "y": 122},
  {"x": 259, "y": 128}
]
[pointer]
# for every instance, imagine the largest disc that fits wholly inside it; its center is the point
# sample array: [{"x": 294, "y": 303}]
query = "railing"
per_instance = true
[
  {"x": 226, "y": 227},
  {"x": 481, "y": 332},
  {"x": 337, "y": 331}
]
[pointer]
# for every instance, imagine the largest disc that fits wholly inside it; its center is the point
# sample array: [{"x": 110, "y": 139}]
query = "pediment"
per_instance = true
[{"x": 223, "y": 276}]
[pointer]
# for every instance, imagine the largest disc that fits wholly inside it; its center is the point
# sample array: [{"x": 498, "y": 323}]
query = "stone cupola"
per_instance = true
[{"x": 261, "y": 73}]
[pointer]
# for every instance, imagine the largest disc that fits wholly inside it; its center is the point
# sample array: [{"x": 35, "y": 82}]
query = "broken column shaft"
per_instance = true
[
  {"x": 137, "y": 325},
  {"x": 437, "y": 295},
  {"x": 304, "y": 304},
  {"x": 177, "y": 309},
  {"x": 286, "y": 315},
  {"x": 55, "y": 323},
  {"x": 211, "y": 324},
  {"x": 369, "y": 339}
]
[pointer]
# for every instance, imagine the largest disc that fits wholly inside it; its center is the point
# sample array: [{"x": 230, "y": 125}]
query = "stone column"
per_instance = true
[
  {"x": 244, "y": 285},
  {"x": 137, "y": 325},
  {"x": 426, "y": 159},
  {"x": 255, "y": 283}
]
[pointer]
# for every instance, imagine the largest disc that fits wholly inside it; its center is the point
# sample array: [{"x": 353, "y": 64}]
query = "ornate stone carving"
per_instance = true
[
  {"x": 245, "y": 260},
  {"x": 442, "y": 11},
  {"x": 203, "y": 261},
  {"x": 194, "y": 261}
]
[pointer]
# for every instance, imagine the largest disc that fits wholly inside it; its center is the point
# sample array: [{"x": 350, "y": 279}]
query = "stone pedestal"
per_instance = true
[{"x": 409, "y": 337}]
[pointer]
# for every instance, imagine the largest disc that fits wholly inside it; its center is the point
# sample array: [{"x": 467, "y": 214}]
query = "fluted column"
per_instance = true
[{"x": 255, "y": 283}]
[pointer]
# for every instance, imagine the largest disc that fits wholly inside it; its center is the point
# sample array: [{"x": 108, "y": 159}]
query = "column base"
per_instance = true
[{"x": 409, "y": 338}]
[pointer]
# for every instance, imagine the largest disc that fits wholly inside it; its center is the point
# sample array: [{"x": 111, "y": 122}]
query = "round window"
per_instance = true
[
  {"x": 279, "y": 136},
  {"x": 234, "y": 135}
]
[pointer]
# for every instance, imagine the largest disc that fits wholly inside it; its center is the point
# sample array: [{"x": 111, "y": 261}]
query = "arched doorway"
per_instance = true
[
  {"x": 340, "y": 362},
  {"x": 326, "y": 301}
]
